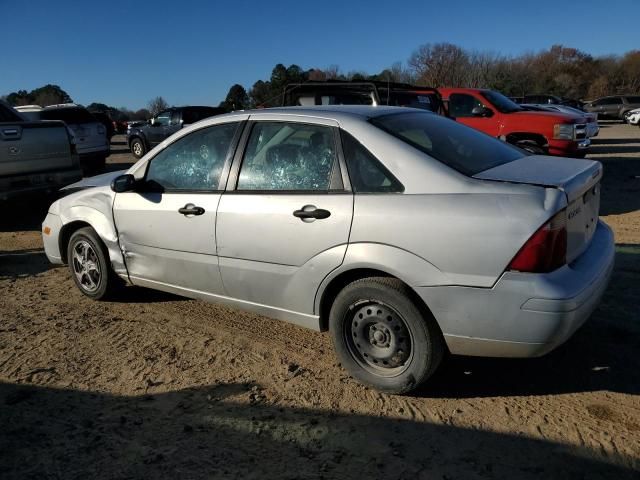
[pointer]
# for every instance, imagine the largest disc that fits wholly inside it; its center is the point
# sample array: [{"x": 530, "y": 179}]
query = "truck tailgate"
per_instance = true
[{"x": 31, "y": 147}]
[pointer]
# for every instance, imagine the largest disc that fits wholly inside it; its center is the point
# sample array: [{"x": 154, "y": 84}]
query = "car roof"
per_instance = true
[{"x": 336, "y": 112}]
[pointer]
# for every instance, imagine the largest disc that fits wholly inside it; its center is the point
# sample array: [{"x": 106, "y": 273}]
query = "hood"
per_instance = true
[
  {"x": 97, "y": 181},
  {"x": 555, "y": 116},
  {"x": 571, "y": 175}
]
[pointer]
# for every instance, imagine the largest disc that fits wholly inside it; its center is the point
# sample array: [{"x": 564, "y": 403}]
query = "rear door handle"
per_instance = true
[
  {"x": 191, "y": 209},
  {"x": 310, "y": 211}
]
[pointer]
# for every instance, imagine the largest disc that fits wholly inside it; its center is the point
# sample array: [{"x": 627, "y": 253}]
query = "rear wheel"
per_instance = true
[
  {"x": 137, "y": 148},
  {"x": 89, "y": 264},
  {"x": 382, "y": 337}
]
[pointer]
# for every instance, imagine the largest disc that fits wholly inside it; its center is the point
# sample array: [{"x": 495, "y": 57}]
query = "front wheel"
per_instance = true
[
  {"x": 382, "y": 337},
  {"x": 531, "y": 147},
  {"x": 89, "y": 264},
  {"x": 137, "y": 148}
]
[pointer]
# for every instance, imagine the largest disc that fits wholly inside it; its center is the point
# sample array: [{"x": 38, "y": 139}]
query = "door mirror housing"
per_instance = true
[
  {"x": 123, "y": 183},
  {"x": 482, "y": 112}
]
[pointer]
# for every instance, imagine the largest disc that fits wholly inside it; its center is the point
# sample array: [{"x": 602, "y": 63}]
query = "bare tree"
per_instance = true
[
  {"x": 157, "y": 104},
  {"x": 439, "y": 64}
]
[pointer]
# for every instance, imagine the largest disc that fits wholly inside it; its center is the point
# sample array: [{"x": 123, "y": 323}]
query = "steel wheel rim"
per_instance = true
[
  {"x": 378, "y": 338},
  {"x": 86, "y": 266}
]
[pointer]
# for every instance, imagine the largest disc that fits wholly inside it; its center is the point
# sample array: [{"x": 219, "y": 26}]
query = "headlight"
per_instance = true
[{"x": 563, "y": 131}]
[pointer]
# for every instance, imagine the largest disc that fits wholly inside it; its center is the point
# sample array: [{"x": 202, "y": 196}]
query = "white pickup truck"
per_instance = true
[{"x": 34, "y": 156}]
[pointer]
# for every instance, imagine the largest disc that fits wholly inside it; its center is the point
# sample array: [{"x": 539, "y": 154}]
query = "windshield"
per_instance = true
[
  {"x": 502, "y": 103},
  {"x": 457, "y": 146}
]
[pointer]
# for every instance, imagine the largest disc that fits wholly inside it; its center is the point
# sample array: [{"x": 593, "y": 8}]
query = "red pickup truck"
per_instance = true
[{"x": 539, "y": 132}]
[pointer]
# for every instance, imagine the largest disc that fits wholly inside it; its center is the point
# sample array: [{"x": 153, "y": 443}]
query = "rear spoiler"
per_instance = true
[{"x": 360, "y": 92}]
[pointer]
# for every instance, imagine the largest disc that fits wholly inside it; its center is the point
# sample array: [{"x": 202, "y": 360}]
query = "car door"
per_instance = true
[
  {"x": 283, "y": 224},
  {"x": 157, "y": 130},
  {"x": 166, "y": 227},
  {"x": 461, "y": 106}
]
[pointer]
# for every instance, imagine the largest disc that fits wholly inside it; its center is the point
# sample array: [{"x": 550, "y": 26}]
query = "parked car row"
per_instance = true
[
  {"x": 540, "y": 131},
  {"x": 89, "y": 133}
]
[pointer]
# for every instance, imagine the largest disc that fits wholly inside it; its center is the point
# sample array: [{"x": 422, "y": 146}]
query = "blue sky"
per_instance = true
[{"x": 124, "y": 53}]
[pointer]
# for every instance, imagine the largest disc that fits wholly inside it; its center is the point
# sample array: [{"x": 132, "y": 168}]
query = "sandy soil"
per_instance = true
[{"x": 156, "y": 386}]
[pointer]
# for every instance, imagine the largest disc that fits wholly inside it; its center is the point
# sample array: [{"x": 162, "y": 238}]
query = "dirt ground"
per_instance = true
[{"x": 156, "y": 386}]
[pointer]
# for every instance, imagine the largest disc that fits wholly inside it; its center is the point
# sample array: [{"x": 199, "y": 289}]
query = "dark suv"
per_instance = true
[
  {"x": 544, "y": 98},
  {"x": 614, "y": 107},
  {"x": 143, "y": 138}
]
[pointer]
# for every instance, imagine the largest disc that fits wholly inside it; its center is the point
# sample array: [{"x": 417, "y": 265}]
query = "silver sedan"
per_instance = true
[{"x": 403, "y": 233}]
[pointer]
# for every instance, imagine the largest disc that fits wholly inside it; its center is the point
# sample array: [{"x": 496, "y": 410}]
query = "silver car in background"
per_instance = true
[{"x": 402, "y": 232}]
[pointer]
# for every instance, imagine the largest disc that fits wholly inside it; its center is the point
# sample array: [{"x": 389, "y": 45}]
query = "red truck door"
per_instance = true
[{"x": 461, "y": 107}]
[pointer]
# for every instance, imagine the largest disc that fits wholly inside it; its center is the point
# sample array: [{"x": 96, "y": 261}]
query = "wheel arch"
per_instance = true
[
  {"x": 538, "y": 138},
  {"x": 337, "y": 283},
  {"x": 65, "y": 235}
]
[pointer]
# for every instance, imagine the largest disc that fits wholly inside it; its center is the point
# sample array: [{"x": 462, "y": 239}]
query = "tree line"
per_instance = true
[{"x": 560, "y": 70}]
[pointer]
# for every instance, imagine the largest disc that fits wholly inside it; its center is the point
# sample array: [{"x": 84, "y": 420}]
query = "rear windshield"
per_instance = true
[
  {"x": 458, "y": 146},
  {"x": 69, "y": 115}
]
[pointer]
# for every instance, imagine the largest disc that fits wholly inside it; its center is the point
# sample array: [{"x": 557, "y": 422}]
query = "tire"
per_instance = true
[
  {"x": 137, "y": 148},
  {"x": 382, "y": 337},
  {"x": 531, "y": 146},
  {"x": 89, "y": 265}
]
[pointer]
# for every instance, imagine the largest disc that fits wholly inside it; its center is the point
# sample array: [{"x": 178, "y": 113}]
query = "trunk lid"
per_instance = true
[{"x": 578, "y": 179}]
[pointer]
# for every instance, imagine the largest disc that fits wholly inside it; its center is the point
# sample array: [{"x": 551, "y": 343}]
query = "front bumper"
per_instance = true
[
  {"x": 524, "y": 314},
  {"x": 51, "y": 227},
  {"x": 569, "y": 148}
]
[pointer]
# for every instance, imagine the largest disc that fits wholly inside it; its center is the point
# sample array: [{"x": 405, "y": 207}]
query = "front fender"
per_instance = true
[{"x": 95, "y": 211}]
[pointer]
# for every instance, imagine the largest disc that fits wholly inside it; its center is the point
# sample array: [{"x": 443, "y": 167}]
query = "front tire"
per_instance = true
[
  {"x": 89, "y": 264},
  {"x": 137, "y": 148},
  {"x": 531, "y": 146},
  {"x": 382, "y": 337}
]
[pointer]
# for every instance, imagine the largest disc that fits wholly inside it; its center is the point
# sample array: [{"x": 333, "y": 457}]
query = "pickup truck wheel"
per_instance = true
[
  {"x": 137, "y": 148},
  {"x": 382, "y": 337},
  {"x": 531, "y": 146},
  {"x": 89, "y": 264}
]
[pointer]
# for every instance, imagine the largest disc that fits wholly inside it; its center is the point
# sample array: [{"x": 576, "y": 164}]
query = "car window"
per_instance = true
[
  {"x": 462, "y": 148},
  {"x": 610, "y": 101},
  {"x": 288, "y": 156},
  {"x": 366, "y": 173},
  {"x": 163, "y": 118},
  {"x": 194, "y": 162},
  {"x": 69, "y": 115},
  {"x": 193, "y": 115},
  {"x": 461, "y": 105},
  {"x": 175, "y": 117},
  {"x": 633, "y": 99}
]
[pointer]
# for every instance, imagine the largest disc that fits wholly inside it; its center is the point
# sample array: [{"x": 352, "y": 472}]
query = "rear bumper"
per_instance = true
[
  {"x": 18, "y": 185},
  {"x": 524, "y": 315}
]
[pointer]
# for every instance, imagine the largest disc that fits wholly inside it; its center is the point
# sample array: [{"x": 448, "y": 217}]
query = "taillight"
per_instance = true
[{"x": 546, "y": 250}]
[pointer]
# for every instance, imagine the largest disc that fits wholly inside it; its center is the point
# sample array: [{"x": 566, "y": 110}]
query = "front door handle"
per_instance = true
[
  {"x": 311, "y": 212},
  {"x": 191, "y": 209}
]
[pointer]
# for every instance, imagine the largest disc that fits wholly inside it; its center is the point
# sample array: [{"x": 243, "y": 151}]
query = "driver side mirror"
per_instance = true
[
  {"x": 482, "y": 112},
  {"x": 123, "y": 183}
]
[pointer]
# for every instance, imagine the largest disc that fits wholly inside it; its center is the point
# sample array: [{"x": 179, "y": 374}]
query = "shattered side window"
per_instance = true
[
  {"x": 194, "y": 162},
  {"x": 288, "y": 156}
]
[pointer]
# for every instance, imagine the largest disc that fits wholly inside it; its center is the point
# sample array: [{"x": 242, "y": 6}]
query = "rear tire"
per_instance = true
[
  {"x": 89, "y": 265},
  {"x": 137, "y": 148},
  {"x": 382, "y": 337}
]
